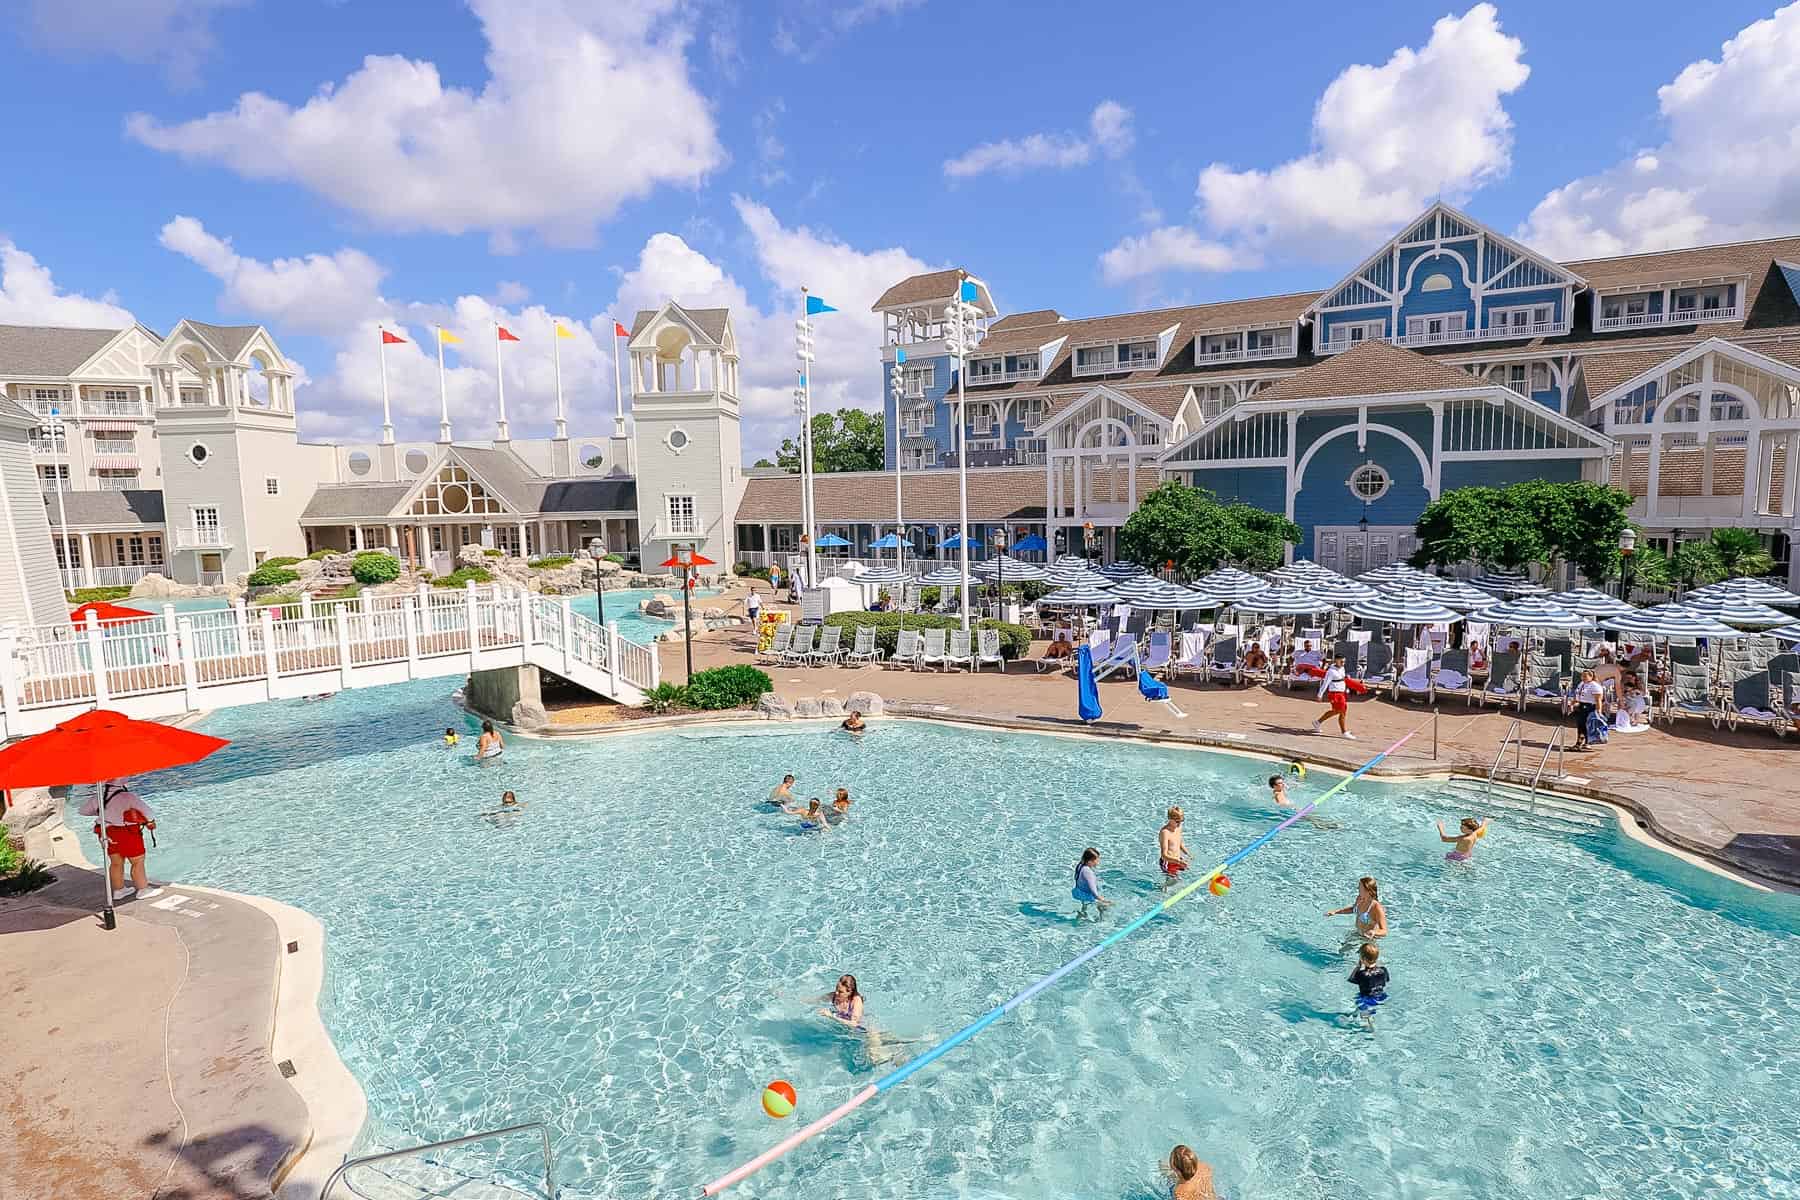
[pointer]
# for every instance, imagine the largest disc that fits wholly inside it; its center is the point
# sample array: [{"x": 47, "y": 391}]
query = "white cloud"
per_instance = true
[
  {"x": 173, "y": 34},
  {"x": 1171, "y": 248},
  {"x": 1387, "y": 141},
  {"x": 318, "y": 294},
  {"x": 807, "y": 27},
  {"x": 1729, "y": 169},
  {"x": 511, "y": 291},
  {"x": 584, "y": 108},
  {"x": 770, "y": 149},
  {"x": 29, "y": 296},
  {"x": 1109, "y": 134}
]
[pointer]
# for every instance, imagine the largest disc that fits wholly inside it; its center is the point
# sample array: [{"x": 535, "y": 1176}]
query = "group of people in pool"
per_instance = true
[{"x": 815, "y": 817}]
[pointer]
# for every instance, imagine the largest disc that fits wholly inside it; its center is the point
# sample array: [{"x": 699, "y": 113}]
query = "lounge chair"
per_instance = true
[
  {"x": 1161, "y": 651},
  {"x": 830, "y": 647},
  {"x": 906, "y": 648},
  {"x": 1123, "y": 655},
  {"x": 1222, "y": 662},
  {"x": 1502, "y": 682},
  {"x": 778, "y": 647},
  {"x": 864, "y": 650},
  {"x": 1352, "y": 654},
  {"x": 960, "y": 654},
  {"x": 1416, "y": 679},
  {"x": 1051, "y": 662},
  {"x": 932, "y": 652},
  {"x": 801, "y": 646},
  {"x": 1379, "y": 666},
  {"x": 1749, "y": 701},
  {"x": 1690, "y": 694},
  {"x": 1193, "y": 655},
  {"x": 1307, "y": 666},
  {"x": 1452, "y": 674},
  {"x": 1099, "y": 644},
  {"x": 987, "y": 649},
  {"x": 1545, "y": 683}
]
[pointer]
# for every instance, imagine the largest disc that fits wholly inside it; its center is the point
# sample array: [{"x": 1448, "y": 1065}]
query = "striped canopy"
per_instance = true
[
  {"x": 1588, "y": 602},
  {"x": 1508, "y": 583},
  {"x": 941, "y": 576},
  {"x": 1789, "y": 633},
  {"x": 1070, "y": 560},
  {"x": 1286, "y": 600},
  {"x": 1072, "y": 570},
  {"x": 1454, "y": 593},
  {"x": 1011, "y": 570},
  {"x": 1341, "y": 591},
  {"x": 1230, "y": 584},
  {"x": 1392, "y": 572},
  {"x": 1080, "y": 595},
  {"x": 1531, "y": 612},
  {"x": 1747, "y": 589},
  {"x": 1303, "y": 570},
  {"x": 1184, "y": 599},
  {"x": 1136, "y": 588},
  {"x": 1670, "y": 621},
  {"x": 1403, "y": 608},
  {"x": 883, "y": 577},
  {"x": 1729, "y": 610},
  {"x": 1122, "y": 570}
]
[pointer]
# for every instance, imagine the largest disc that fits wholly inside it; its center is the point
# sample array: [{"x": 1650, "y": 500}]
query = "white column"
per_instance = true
[
  {"x": 1791, "y": 507},
  {"x": 270, "y": 663},
  {"x": 97, "y": 660},
  {"x": 1653, "y": 488},
  {"x": 190, "y": 678},
  {"x": 1759, "y": 465},
  {"x": 472, "y": 602},
  {"x": 341, "y": 623},
  {"x": 356, "y": 538},
  {"x": 410, "y": 614},
  {"x": 1707, "y": 450},
  {"x": 87, "y": 558},
  {"x": 522, "y": 547}
]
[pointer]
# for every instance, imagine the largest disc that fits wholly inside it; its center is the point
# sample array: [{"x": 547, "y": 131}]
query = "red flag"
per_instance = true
[
  {"x": 620, "y": 330},
  {"x": 391, "y": 339},
  {"x": 506, "y": 335}
]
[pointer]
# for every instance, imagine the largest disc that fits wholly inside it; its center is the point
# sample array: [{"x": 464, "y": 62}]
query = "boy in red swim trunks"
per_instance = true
[
  {"x": 127, "y": 816},
  {"x": 1334, "y": 689},
  {"x": 1171, "y": 851}
]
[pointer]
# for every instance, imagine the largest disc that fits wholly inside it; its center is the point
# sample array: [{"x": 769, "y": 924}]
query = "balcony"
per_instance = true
[
  {"x": 1016, "y": 375},
  {"x": 114, "y": 408},
  {"x": 1679, "y": 316},
  {"x": 1206, "y": 358},
  {"x": 1141, "y": 356},
  {"x": 1536, "y": 329},
  {"x": 1442, "y": 337},
  {"x": 48, "y": 449},
  {"x": 1340, "y": 344},
  {"x": 202, "y": 539}
]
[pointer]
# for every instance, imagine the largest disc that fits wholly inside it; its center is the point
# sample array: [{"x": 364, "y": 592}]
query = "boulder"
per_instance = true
[
  {"x": 773, "y": 707},
  {"x": 306, "y": 568},
  {"x": 808, "y": 706},
  {"x": 606, "y": 568},
  {"x": 866, "y": 703},
  {"x": 471, "y": 555},
  {"x": 831, "y": 706},
  {"x": 29, "y": 808},
  {"x": 157, "y": 587},
  {"x": 529, "y": 714}
]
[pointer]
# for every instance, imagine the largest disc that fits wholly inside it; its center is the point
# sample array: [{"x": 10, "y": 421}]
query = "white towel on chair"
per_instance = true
[{"x": 1448, "y": 677}]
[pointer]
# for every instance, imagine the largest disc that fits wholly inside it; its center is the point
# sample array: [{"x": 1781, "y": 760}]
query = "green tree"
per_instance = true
[
  {"x": 1532, "y": 522},
  {"x": 847, "y": 440},
  {"x": 1189, "y": 527},
  {"x": 1740, "y": 553},
  {"x": 1695, "y": 564},
  {"x": 762, "y": 462}
]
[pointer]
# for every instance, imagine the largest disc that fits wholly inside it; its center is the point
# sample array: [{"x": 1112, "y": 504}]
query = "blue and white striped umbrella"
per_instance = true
[
  {"x": 883, "y": 577},
  {"x": 1080, "y": 595},
  {"x": 1588, "y": 602},
  {"x": 1231, "y": 585},
  {"x": 1531, "y": 612},
  {"x": 1182, "y": 599},
  {"x": 1395, "y": 573},
  {"x": 1286, "y": 600},
  {"x": 1302, "y": 570},
  {"x": 1508, "y": 583},
  {"x": 1122, "y": 570},
  {"x": 1454, "y": 593},
  {"x": 1012, "y": 570},
  {"x": 1754, "y": 590},
  {"x": 1072, "y": 570},
  {"x": 1341, "y": 591},
  {"x": 941, "y": 576},
  {"x": 1137, "y": 587},
  {"x": 1789, "y": 633},
  {"x": 1670, "y": 621},
  {"x": 1403, "y": 608},
  {"x": 1729, "y": 610}
]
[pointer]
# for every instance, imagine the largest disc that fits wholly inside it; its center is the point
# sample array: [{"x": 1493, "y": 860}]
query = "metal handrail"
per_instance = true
[
  {"x": 1512, "y": 731},
  {"x": 389, "y": 1155},
  {"x": 1556, "y": 744}
]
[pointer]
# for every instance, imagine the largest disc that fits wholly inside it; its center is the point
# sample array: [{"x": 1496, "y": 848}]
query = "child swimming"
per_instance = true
[
  {"x": 811, "y": 817},
  {"x": 1464, "y": 850},
  {"x": 1278, "y": 790},
  {"x": 450, "y": 737},
  {"x": 1171, "y": 851},
  {"x": 1087, "y": 884},
  {"x": 1193, "y": 1178},
  {"x": 509, "y": 804},
  {"x": 1371, "y": 980},
  {"x": 840, "y": 807}
]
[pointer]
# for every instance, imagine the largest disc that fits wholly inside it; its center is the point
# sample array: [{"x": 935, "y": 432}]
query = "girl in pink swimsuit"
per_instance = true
[{"x": 1464, "y": 842}]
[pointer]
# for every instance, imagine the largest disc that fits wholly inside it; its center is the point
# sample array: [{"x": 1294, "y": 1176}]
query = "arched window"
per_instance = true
[{"x": 455, "y": 494}]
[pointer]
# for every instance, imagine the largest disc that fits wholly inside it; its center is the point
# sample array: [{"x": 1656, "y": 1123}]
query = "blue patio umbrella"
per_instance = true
[
  {"x": 1087, "y": 693},
  {"x": 890, "y": 541},
  {"x": 1031, "y": 545},
  {"x": 830, "y": 539},
  {"x": 954, "y": 542}
]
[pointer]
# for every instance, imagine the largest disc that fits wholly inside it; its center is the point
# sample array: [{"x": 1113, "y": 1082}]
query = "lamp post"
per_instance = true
[
  {"x": 58, "y": 434},
  {"x": 897, "y": 384},
  {"x": 684, "y": 555},
  {"x": 596, "y": 550},
  {"x": 962, "y": 335},
  {"x": 1000, "y": 567},
  {"x": 1627, "y": 561},
  {"x": 803, "y": 354},
  {"x": 1675, "y": 561}
]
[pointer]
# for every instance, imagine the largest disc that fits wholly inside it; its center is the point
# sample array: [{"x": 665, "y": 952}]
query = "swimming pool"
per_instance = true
[{"x": 628, "y": 959}]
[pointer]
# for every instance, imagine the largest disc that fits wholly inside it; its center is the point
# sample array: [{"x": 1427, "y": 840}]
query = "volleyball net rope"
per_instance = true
[{"x": 900, "y": 1075}]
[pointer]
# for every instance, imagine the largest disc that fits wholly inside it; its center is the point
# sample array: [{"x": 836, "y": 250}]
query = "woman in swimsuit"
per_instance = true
[
  {"x": 840, "y": 807},
  {"x": 1371, "y": 917},
  {"x": 845, "y": 1004},
  {"x": 1193, "y": 1178},
  {"x": 1464, "y": 849}
]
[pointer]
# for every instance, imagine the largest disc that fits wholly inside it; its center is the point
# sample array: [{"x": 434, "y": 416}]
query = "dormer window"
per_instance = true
[
  {"x": 986, "y": 370},
  {"x": 1137, "y": 355},
  {"x": 1092, "y": 359}
]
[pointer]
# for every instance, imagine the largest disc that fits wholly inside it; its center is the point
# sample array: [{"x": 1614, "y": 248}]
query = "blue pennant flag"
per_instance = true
[
  {"x": 968, "y": 293},
  {"x": 802, "y": 381},
  {"x": 899, "y": 356},
  {"x": 815, "y": 306}
]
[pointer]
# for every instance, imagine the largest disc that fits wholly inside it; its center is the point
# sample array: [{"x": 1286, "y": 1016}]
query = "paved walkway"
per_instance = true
[
  {"x": 1729, "y": 797},
  {"x": 135, "y": 1063}
]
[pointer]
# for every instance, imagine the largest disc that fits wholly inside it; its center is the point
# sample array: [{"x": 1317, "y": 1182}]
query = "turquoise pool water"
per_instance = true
[{"x": 630, "y": 958}]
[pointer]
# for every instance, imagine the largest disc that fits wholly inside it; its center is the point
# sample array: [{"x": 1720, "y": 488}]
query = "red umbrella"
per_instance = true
[
  {"x": 698, "y": 560},
  {"x": 95, "y": 747},
  {"x": 106, "y": 612}
]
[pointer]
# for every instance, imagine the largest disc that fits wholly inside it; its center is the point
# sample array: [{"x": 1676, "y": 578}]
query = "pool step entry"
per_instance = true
[
  {"x": 429, "y": 1171},
  {"x": 173, "y": 664},
  {"x": 1552, "y": 814}
]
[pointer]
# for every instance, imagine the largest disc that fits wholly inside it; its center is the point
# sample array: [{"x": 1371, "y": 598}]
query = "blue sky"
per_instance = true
[{"x": 320, "y": 167}]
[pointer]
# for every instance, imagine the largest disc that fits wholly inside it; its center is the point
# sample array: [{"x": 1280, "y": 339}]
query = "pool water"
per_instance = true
[{"x": 632, "y": 957}]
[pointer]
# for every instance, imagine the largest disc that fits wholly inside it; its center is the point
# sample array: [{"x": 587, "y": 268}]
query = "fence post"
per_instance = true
[
  {"x": 190, "y": 676},
  {"x": 172, "y": 635},
  {"x": 407, "y": 611},
  {"x": 474, "y": 627},
  {"x": 97, "y": 660},
  {"x": 525, "y": 622},
  {"x": 306, "y": 625},
  {"x": 341, "y": 620},
  {"x": 243, "y": 625},
  {"x": 9, "y": 681},
  {"x": 612, "y": 656},
  {"x": 568, "y": 635},
  {"x": 271, "y": 662}
]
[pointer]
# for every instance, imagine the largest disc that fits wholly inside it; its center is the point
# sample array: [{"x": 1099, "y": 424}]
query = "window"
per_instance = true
[
  {"x": 115, "y": 443},
  {"x": 68, "y": 552},
  {"x": 1438, "y": 282},
  {"x": 47, "y": 443},
  {"x": 1025, "y": 366},
  {"x": 1516, "y": 378},
  {"x": 54, "y": 478},
  {"x": 1137, "y": 355},
  {"x": 1268, "y": 339},
  {"x": 113, "y": 479},
  {"x": 1094, "y": 358},
  {"x": 1214, "y": 399},
  {"x": 918, "y": 457},
  {"x": 1369, "y": 482},
  {"x": 1540, "y": 377},
  {"x": 1524, "y": 320},
  {"x": 1029, "y": 411},
  {"x": 1616, "y": 307},
  {"x": 198, "y": 454},
  {"x": 919, "y": 380},
  {"x": 677, "y": 440},
  {"x": 682, "y": 518},
  {"x": 271, "y": 485},
  {"x": 205, "y": 524},
  {"x": 981, "y": 420},
  {"x": 137, "y": 550},
  {"x": 986, "y": 369},
  {"x": 1352, "y": 332},
  {"x": 1031, "y": 450},
  {"x": 116, "y": 395},
  {"x": 1727, "y": 407}
]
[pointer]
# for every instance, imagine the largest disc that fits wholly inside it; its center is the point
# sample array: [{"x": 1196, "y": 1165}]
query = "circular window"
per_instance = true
[
  {"x": 198, "y": 454},
  {"x": 1369, "y": 482},
  {"x": 360, "y": 463},
  {"x": 454, "y": 498},
  {"x": 417, "y": 461},
  {"x": 677, "y": 440},
  {"x": 591, "y": 456}
]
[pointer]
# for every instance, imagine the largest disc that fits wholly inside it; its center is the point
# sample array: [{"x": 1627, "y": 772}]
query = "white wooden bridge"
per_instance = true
[{"x": 173, "y": 663}]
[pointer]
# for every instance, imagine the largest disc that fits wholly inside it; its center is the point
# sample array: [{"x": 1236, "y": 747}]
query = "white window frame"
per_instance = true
[
  {"x": 916, "y": 381},
  {"x": 271, "y": 485},
  {"x": 987, "y": 370},
  {"x": 118, "y": 479},
  {"x": 982, "y": 420},
  {"x": 1385, "y": 481},
  {"x": 1032, "y": 449},
  {"x": 1540, "y": 377},
  {"x": 122, "y": 395},
  {"x": 1421, "y": 326},
  {"x": 1131, "y": 360},
  {"x": 1096, "y": 365},
  {"x": 199, "y": 525},
  {"x": 1025, "y": 364},
  {"x": 109, "y": 442},
  {"x": 681, "y": 523},
  {"x": 1351, "y": 333}
]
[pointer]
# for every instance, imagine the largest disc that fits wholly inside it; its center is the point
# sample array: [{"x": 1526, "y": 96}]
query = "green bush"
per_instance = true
[
  {"x": 268, "y": 598},
  {"x": 372, "y": 567},
  {"x": 727, "y": 687},
  {"x": 745, "y": 571},
  {"x": 286, "y": 560},
  {"x": 495, "y": 553},
  {"x": 614, "y": 558},
  {"x": 461, "y": 576},
  {"x": 19, "y": 874},
  {"x": 317, "y": 555},
  {"x": 551, "y": 562},
  {"x": 665, "y": 697},
  {"x": 269, "y": 575},
  {"x": 94, "y": 595},
  {"x": 1015, "y": 640}
]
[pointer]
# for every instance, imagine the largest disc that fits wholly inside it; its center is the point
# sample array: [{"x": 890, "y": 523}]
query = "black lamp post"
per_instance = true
[
  {"x": 1627, "y": 562},
  {"x": 1000, "y": 568},
  {"x": 684, "y": 555},
  {"x": 597, "y": 551}
]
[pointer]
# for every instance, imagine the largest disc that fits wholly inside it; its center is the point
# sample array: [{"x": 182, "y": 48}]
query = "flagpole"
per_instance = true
[
  {"x": 618, "y": 386},
  {"x": 562, "y": 421},
  {"x": 806, "y": 462},
  {"x": 387, "y": 415},
  {"x": 443, "y": 393},
  {"x": 501, "y": 433},
  {"x": 899, "y": 388}
]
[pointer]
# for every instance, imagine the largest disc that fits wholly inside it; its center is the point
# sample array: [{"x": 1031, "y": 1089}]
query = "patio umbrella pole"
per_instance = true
[{"x": 108, "y": 918}]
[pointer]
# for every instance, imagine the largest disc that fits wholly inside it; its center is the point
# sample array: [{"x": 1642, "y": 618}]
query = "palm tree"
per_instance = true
[{"x": 1740, "y": 553}]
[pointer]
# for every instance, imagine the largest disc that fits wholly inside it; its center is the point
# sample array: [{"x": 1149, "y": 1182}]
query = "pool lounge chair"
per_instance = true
[
  {"x": 1160, "y": 653},
  {"x": 801, "y": 646},
  {"x": 1122, "y": 656},
  {"x": 778, "y": 647},
  {"x": 864, "y": 650},
  {"x": 1193, "y": 655},
  {"x": 1352, "y": 654},
  {"x": 960, "y": 653},
  {"x": 1415, "y": 680},
  {"x": 987, "y": 649},
  {"x": 1749, "y": 700},
  {"x": 1222, "y": 661},
  {"x": 1690, "y": 694},
  {"x": 1378, "y": 668},
  {"x": 1545, "y": 683},
  {"x": 1051, "y": 662},
  {"x": 932, "y": 653},
  {"x": 1451, "y": 678},
  {"x": 906, "y": 648},
  {"x": 1502, "y": 682},
  {"x": 830, "y": 648}
]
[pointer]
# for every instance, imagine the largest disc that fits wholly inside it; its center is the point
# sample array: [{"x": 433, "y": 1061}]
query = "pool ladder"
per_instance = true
[
  {"x": 1515, "y": 738},
  {"x": 366, "y": 1160}
]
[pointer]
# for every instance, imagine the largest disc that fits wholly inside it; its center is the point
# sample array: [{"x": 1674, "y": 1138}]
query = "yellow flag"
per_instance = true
[
  {"x": 561, "y": 332},
  {"x": 448, "y": 338}
]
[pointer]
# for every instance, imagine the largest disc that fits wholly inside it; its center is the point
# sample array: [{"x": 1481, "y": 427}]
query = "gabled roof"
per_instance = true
[
  {"x": 48, "y": 350},
  {"x": 1370, "y": 369},
  {"x": 355, "y": 501},
  {"x": 709, "y": 321},
  {"x": 922, "y": 289},
  {"x": 228, "y": 340},
  {"x": 1624, "y": 376},
  {"x": 17, "y": 415},
  {"x": 1163, "y": 400},
  {"x": 1037, "y": 316},
  {"x": 504, "y": 474},
  {"x": 138, "y": 506}
]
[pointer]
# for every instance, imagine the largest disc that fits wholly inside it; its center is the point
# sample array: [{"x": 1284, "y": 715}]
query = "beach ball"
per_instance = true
[
  {"x": 1220, "y": 885},
  {"x": 779, "y": 1099}
]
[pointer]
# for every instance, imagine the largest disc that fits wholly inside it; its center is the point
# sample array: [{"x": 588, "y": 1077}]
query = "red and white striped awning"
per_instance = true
[{"x": 116, "y": 462}]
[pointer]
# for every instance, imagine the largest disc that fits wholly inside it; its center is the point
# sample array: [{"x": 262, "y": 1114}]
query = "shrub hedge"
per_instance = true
[
  {"x": 318, "y": 555},
  {"x": 551, "y": 562},
  {"x": 373, "y": 566},
  {"x": 495, "y": 553},
  {"x": 461, "y": 576},
  {"x": 1015, "y": 640},
  {"x": 270, "y": 575},
  {"x": 94, "y": 594},
  {"x": 727, "y": 687},
  {"x": 286, "y": 560}
]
